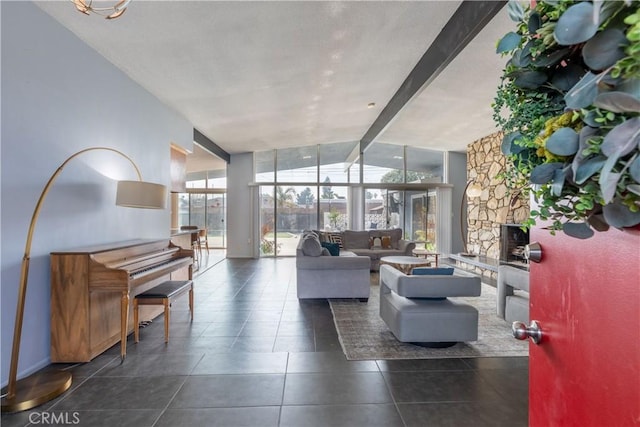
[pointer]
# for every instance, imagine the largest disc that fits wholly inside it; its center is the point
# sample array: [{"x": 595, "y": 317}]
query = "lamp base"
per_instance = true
[{"x": 36, "y": 389}]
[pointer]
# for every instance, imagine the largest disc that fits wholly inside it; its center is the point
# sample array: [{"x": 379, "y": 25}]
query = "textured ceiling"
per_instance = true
[{"x": 258, "y": 75}]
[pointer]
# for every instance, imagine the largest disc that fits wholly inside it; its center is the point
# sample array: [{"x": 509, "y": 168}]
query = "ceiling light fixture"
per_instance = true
[
  {"x": 371, "y": 105},
  {"x": 112, "y": 12}
]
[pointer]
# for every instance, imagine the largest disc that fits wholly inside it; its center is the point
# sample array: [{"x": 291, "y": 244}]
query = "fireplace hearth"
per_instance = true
[{"x": 513, "y": 239}]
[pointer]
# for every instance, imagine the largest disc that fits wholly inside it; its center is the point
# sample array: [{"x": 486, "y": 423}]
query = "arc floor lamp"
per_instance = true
[{"x": 36, "y": 389}]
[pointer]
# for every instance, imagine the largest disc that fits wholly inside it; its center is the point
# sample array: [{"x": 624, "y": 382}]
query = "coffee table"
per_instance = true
[{"x": 404, "y": 263}]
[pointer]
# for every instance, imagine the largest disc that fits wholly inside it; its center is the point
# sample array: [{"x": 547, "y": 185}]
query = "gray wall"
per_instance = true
[
  {"x": 58, "y": 97},
  {"x": 458, "y": 177},
  {"x": 242, "y": 220}
]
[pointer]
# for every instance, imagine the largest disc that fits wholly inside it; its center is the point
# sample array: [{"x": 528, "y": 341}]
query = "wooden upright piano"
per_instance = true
[{"x": 91, "y": 289}]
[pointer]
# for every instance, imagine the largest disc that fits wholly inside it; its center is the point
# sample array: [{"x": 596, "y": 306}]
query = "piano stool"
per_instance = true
[{"x": 163, "y": 294}]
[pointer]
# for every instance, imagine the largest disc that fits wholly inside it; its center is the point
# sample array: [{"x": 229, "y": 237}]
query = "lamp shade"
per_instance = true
[
  {"x": 474, "y": 190},
  {"x": 141, "y": 194}
]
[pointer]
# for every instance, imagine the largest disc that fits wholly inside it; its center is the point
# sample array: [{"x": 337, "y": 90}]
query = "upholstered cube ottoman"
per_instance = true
[
  {"x": 429, "y": 320},
  {"x": 417, "y": 308}
]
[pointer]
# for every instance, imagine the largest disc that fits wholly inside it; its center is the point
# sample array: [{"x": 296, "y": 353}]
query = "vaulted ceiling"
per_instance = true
[{"x": 272, "y": 74}]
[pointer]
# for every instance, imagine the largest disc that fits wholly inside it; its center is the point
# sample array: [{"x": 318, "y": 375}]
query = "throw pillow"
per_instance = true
[
  {"x": 333, "y": 248},
  {"x": 386, "y": 242},
  {"x": 311, "y": 246},
  {"x": 325, "y": 252},
  {"x": 306, "y": 233},
  {"x": 335, "y": 238},
  {"x": 428, "y": 271}
]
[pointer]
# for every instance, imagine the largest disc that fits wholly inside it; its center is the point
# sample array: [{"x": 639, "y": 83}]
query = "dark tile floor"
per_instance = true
[{"x": 255, "y": 356}]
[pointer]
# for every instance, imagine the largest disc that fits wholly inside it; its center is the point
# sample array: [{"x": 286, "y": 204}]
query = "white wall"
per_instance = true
[
  {"x": 58, "y": 97},
  {"x": 242, "y": 220}
]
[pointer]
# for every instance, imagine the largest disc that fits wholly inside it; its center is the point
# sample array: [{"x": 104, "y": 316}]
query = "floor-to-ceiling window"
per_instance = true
[
  {"x": 320, "y": 188},
  {"x": 204, "y": 205}
]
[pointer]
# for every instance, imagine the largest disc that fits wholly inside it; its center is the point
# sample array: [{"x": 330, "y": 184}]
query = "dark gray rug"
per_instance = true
[{"x": 364, "y": 335}]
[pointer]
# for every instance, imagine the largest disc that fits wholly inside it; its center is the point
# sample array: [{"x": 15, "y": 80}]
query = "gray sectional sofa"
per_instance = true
[
  {"x": 321, "y": 275},
  {"x": 374, "y": 244}
]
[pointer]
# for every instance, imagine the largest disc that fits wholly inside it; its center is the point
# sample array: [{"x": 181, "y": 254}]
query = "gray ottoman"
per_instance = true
[{"x": 416, "y": 308}]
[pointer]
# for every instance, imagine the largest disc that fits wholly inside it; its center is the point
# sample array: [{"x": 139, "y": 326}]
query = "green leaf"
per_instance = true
[
  {"x": 563, "y": 142},
  {"x": 604, "y": 49},
  {"x": 630, "y": 86},
  {"x": 585, "y": 134},
  {"x": 521, "y": 59},
  {"x": 634, "y": 170},
  {"x": 576, "y": 25},
  {"x": 516, "y": 12},
  {"x": 579, "y": 230},
  {"x": 622, "y": 139},
  {"x": 509, "y": 145},
  {"x": 509, "y": 42},
  {"x": 588, "y": 168},
  {"x": 530, "y": 79},
  {"x": 598, "y": 222},
  {"x": 551, "y": 59},
  {"x": 534, "y": 23},
  {"x": 567, "y": 77},
  {"x": 608, "y": 180},
  {"x": 590, "y": 119},
  {"x": 544, "y": 173},
  {"x": 618, "y": 215},
  {"x": 583, "y": 93},
  {"x": 618, "y": 102},
  {"x": 558, "y": 182}
]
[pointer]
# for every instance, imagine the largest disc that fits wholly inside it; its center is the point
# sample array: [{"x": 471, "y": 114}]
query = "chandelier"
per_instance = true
[{"x": 112, "y": 12}]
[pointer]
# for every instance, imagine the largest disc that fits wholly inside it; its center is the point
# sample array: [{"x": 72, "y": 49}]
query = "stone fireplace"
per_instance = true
[
  {"x": 496, "y": 205},
  {"x": 513, "y": 239}
]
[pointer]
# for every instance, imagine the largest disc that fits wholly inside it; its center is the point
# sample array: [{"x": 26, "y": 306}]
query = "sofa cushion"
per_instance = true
[
  {"x": 411, "y": 286},
  {"x": 311, "y": 246},
  {"x": 333, "y": 248},
  {"x": 429, "y": 271},
  {"x": 355, "y": 239}
]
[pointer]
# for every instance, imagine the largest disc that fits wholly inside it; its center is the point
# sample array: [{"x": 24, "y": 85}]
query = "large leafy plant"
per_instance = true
[{"x": 569, "y": 104}]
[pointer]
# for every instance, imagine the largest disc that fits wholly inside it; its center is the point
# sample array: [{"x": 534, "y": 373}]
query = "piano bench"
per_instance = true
[{"x": 163, "y": 294}]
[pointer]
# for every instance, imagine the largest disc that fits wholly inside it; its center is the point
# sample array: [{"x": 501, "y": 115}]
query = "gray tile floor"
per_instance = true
[{"x": 255, "y": 356}]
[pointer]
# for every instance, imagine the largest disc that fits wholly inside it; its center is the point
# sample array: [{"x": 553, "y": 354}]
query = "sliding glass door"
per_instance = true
[{"x": 206, "y": 209}]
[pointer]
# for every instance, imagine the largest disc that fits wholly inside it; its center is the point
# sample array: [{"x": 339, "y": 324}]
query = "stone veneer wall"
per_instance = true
[{"x": 487, "y": 212}]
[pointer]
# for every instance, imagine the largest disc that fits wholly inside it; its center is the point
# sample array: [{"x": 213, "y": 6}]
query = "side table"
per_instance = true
[{"x": 418, "y": 252}]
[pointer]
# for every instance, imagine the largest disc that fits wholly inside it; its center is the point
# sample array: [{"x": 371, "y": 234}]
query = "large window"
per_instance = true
[
  {"x": 421, "y": 224},
  {"x": 297, "y": 164},
  {"x": 334, "y": 162},
  {"x": 424, "y": 165},
  {"x": 206, "y": 209},
  {"x": 383, "y": 163},
  {"x": 319, "y": 188}
]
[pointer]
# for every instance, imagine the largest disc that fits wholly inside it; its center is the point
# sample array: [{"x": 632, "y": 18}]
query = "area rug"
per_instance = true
[{"x": 364, "y": 335}]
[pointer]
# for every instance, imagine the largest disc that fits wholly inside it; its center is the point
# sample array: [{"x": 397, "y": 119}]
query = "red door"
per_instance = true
[{"x": 585, "y": 295}]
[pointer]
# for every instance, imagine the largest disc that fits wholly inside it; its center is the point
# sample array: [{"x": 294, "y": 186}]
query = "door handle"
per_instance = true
[
  {"x": 521, "y": 331},
  {"x": 533, "y": 252}
]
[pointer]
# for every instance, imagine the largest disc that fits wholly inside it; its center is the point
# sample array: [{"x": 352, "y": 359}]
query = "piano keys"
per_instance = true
[{"x": 91, "y": 290}]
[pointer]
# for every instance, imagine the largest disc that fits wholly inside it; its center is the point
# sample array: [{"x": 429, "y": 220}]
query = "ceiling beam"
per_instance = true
[
  {"x": 468, "y": 20},
  {"x": 210, "y": 146}
]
